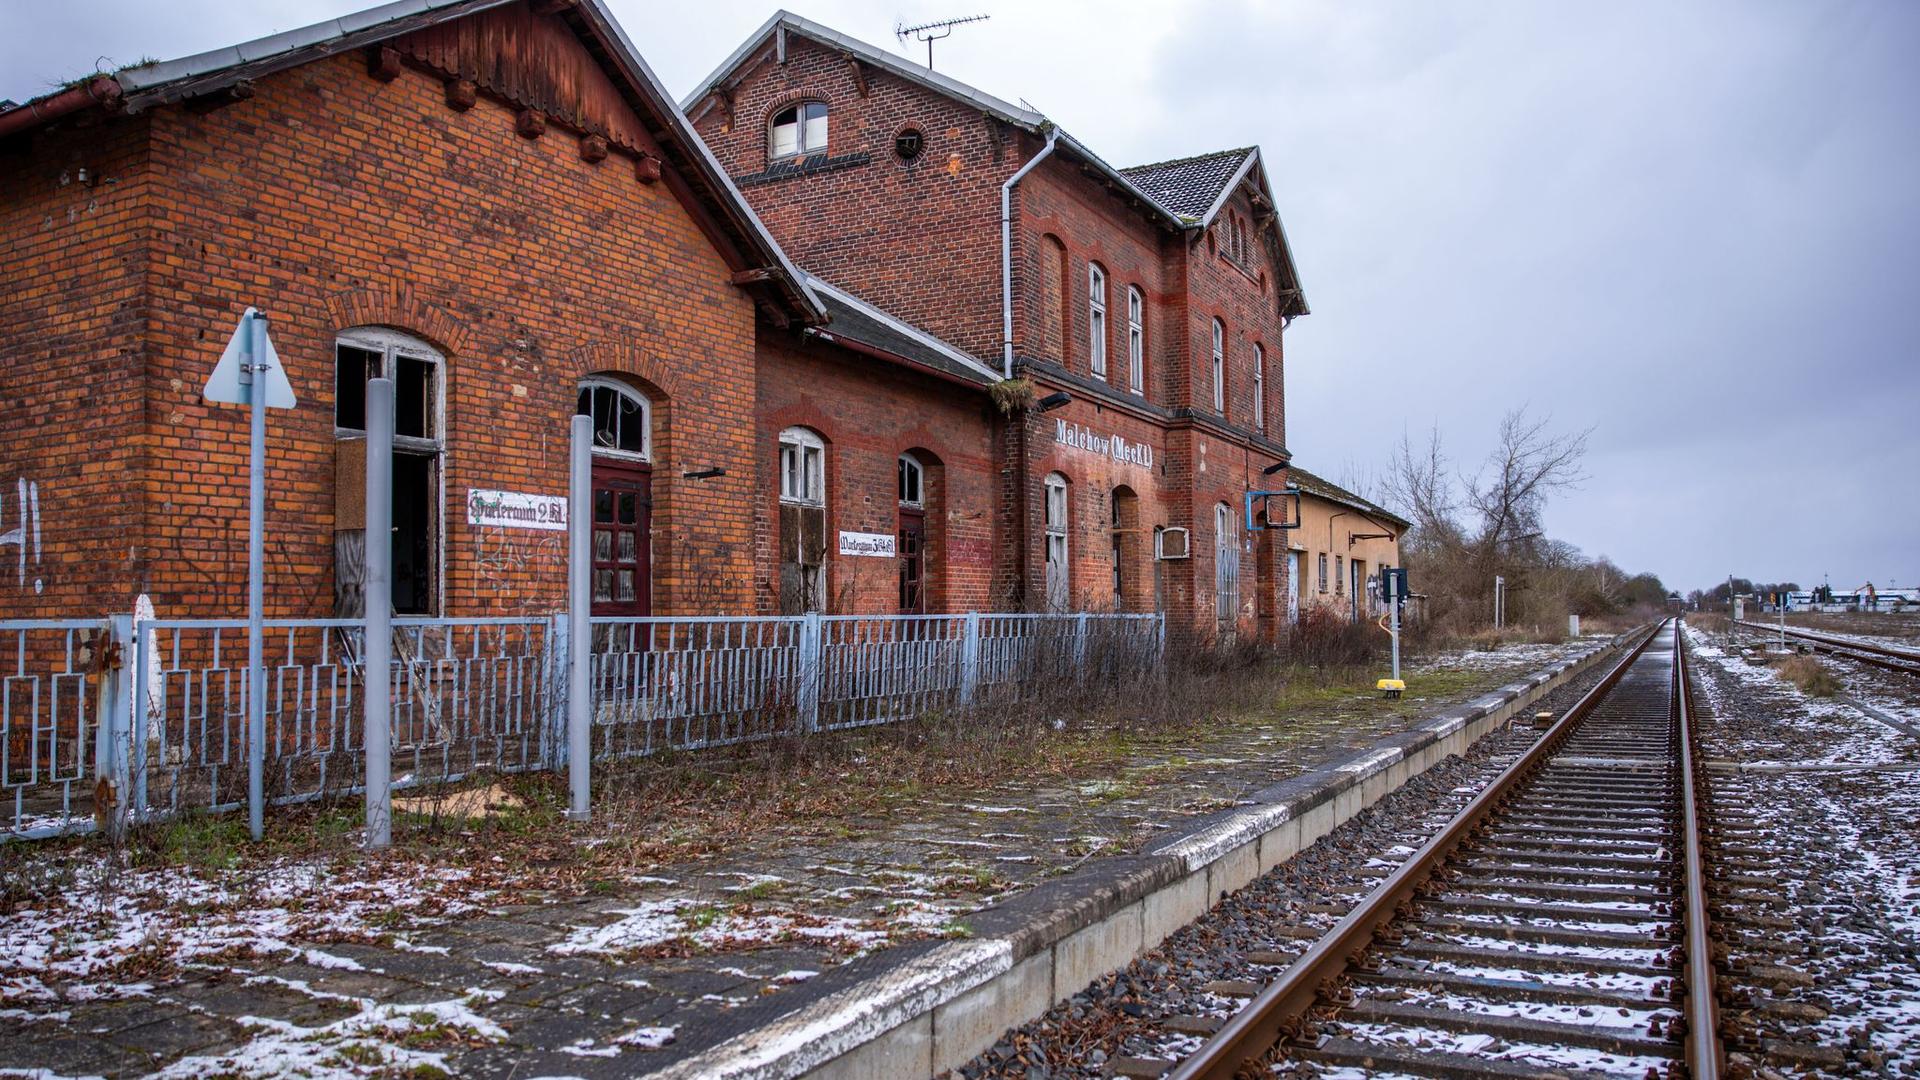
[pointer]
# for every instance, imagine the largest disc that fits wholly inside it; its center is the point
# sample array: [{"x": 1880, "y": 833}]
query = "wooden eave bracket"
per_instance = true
[
  {"x": 859, "y": 70},
  {"x": 754, "y": 275}
]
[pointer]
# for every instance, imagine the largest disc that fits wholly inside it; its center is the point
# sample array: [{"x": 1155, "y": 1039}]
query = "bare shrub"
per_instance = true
[
  {"x": 1809, "y": 674},
  {"x": 1324, "y": 637}
]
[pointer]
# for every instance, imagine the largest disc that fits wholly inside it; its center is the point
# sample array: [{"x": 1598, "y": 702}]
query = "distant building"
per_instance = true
[{"x": 1336, "y": 554}]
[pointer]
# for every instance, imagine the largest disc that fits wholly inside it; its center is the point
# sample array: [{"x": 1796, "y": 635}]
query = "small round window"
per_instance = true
[{"x": 909, "y": 144}]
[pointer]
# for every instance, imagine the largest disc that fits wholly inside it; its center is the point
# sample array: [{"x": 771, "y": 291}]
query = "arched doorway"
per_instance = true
[{"x": 622, "y": 503}]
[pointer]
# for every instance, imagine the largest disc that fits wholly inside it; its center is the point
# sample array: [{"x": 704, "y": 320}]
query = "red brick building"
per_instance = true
[
  {"x": 494, "y": 203},
  {"x": 1144, "y": 307}
]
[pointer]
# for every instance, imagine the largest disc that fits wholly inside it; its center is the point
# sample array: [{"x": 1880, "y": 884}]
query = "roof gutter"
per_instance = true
[
  {"x": 102, "y": 90},
  {"x": 1006, "y": 252}
]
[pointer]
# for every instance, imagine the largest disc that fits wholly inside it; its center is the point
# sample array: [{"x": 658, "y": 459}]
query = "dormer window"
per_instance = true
[{"x": 799, "y": 130}]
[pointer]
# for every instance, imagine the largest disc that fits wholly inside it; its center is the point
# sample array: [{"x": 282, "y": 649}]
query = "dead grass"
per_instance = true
[{"x": 1809, "y": 674}]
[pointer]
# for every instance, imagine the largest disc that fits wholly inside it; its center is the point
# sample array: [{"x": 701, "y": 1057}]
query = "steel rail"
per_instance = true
[
  {"x": 1704, "y": 1054},
  {"x": 1281, "y": 1008},
  {"x": 1866, "y": 652}
]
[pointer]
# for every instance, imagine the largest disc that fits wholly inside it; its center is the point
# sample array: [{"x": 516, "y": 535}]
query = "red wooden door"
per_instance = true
[
  {"x": 622, "y": 524},
  {"x": 913, "y": 562}
]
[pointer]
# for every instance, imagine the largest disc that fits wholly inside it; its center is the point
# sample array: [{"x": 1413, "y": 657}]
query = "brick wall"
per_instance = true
[
  {"x": 868, "y": 222},
  {"x": 76, "y": 224},
  {"x": 869, "y": 413}
]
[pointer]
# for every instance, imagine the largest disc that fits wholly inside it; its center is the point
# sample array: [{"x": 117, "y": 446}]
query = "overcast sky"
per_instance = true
[{"x": 1690, "y": 226}]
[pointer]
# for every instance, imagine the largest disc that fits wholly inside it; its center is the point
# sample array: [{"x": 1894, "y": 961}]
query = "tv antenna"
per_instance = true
[{"x": 934, "y": 31}]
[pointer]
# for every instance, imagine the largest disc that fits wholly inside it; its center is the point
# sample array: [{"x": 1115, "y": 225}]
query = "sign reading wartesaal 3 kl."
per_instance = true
[
  {"x": 517, "y": 510},
  {"x": 877, "y": 545},
  {"x": 231, "y": 385}
]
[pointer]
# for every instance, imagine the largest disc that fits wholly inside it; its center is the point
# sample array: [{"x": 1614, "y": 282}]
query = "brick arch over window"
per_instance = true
[{"x": 401, "y": 309}]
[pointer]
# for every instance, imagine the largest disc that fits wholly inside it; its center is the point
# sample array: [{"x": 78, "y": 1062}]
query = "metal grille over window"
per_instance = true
[
  {"x": 800, "y": 129},
  {"x": 1056, "y": 528}
]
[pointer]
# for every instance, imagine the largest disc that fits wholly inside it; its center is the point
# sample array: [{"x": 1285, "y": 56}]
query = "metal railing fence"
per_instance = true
[{"x": 116, "y": 719}]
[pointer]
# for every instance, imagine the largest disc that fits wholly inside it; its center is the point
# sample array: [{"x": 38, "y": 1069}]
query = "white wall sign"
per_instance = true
[
  {"x": 516, "y": 510},
  {"x": 1113, "y": 446},
  {"x": 876, "y": 545}
]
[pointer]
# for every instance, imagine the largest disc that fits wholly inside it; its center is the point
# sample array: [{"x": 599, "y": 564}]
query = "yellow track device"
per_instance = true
[{"x": 1391, "y": 687}]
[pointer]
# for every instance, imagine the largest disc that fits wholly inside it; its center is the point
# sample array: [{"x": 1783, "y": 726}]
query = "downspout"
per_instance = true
[
  {"x": 1006, "y": 253},
  {"x": 102, "y": 90},
  {"x": 1021, "y": 482}
]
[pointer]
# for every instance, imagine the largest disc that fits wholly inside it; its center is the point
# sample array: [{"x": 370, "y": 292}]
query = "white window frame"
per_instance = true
[
  {"x": 1259, "y": 388},
  {"x": 1058, "y": 553},
  {"x": 628, "y": 393},
  {"x": 1226, "y": 567},
  {"x": 1219, "y": 366},
  {"x": 1136, "y": 340},
  {"x": 803, "y": 467},
  {"x": 1097, "y": 318},
  {"x": 803, "y": 146},
  {"x": 914, "y": 496},
  {"x": 392, "y": 345}
]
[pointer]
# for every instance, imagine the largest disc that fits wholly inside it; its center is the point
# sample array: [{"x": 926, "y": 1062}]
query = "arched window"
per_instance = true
[
  {"x": 1056, "y": 533},
  {"x": 1097, "y": 319},
  {"x": 798, "y": 130},
  {"x": 803, "y": 467},
  {"x": 913, "y": 486},
  {"x": 1259, "y": 388},
  {"x": 622, "y": 418},
  {"x": 1136, "y": 340},
  {"x": 1219, "y": 366}
]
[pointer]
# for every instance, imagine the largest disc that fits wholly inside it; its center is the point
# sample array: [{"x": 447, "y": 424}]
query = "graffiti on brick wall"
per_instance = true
[
  {"x": 508, "y": 562},
  {"x": 25, "y": 533}
]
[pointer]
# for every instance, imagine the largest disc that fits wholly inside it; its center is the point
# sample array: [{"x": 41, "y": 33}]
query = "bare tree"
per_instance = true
[{"x": 1527, "y": 464}]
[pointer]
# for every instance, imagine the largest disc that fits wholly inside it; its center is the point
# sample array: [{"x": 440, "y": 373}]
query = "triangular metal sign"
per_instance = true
[{"x": 229, "y": 384}]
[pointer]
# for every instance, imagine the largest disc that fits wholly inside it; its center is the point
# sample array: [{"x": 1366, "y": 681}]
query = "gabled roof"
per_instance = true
[
  {"x": 148, "y": 85},
  {"x": 856, "y": 322},
  {"x": 1334, "y": 493},
  {"x": 1182, "y": 195},
  {"x": 1191, "y": 186}
]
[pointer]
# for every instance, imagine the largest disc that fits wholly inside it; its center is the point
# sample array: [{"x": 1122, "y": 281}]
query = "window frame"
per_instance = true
[
  {"x": 800, "y": 147},
  {"x": 1136, "y": 340},
  {"x": 1057, "y": 491},
  {"x": 908, "y": 465},
  {"x": 392, "y": 345},
  {"x": 810, "y": 452},
  {"x": 1097, "y": 319},
  {"x": 627, "y": 392},
  {"x": 1219, "y": 367},
  {"x": 1259, "y": 387}
]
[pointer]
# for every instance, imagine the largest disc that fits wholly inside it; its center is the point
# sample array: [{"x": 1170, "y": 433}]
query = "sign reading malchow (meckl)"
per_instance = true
[
  {"x": 517, "y": 510},
  {"x": 878, "y": 545},
  {"x": 1113, "y": 446}
]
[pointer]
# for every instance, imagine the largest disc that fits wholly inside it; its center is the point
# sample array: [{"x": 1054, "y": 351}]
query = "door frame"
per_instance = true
[{"x": 618, "y": 474}]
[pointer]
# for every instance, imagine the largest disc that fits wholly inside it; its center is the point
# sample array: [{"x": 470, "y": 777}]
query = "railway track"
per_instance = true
[
  {"x": 1866, "y": 652},
  {"x": 1556, "y": 927}
]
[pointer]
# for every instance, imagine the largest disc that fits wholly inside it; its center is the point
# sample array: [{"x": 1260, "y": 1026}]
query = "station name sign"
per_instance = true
[
  {"x": 1113, "y": 446},
  {"x": 516, "y": 510}
]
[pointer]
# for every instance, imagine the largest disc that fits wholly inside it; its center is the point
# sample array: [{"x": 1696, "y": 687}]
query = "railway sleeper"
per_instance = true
[
  {"x": 1569, "y": 963},
  {"x": 1578, "y": 875},
  {"x": 1575, "y": 894},
  {"x": 1482, "y": 986},
  {"x": 1541, "y": 935},
  {"x": 1439, "y": 1064},
  {"x": 1511, "y": 1028},
  {"x": 1522, "y": 909}
]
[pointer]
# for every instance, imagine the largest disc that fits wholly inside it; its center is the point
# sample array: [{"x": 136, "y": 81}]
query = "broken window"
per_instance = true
[
  {"x": 912, "y": 483},
  {"x": 799, "y": 129},
  {"x": 803, "y": 521},
  {"x": 417, "y": 371},
  {"x": 622, "y": 419}
]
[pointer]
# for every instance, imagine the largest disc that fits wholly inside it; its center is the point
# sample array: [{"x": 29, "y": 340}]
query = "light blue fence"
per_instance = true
[{"x": 150, "y": 716}]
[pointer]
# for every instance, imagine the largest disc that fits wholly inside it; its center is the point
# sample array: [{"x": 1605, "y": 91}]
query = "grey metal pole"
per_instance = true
[
  {"x": 255, "y": 361},
  {"x": 1393, "y": 607},
  {"x": 579, "y": 615},
  {"x": 377, "y": 651}
]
